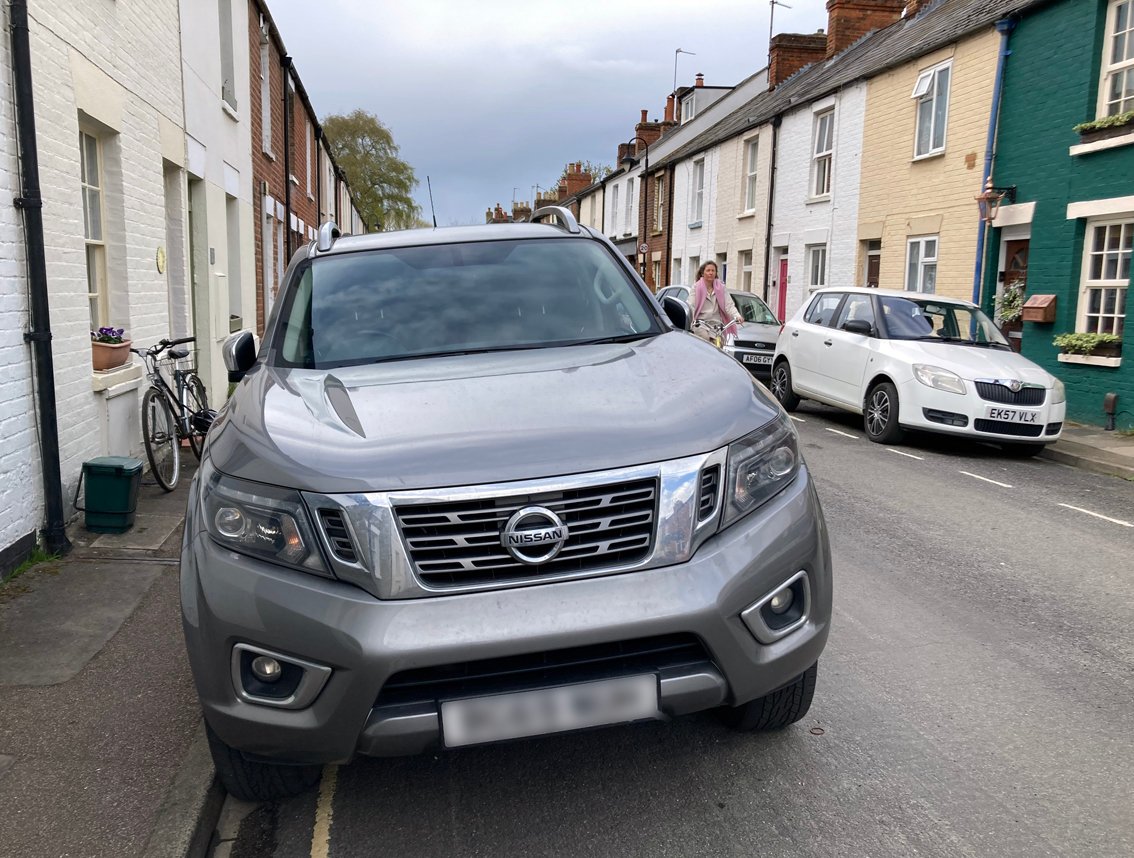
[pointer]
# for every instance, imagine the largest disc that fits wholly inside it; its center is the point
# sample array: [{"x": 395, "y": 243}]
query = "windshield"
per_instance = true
[
  {"x": 753, "y": 309},
  {"x": 373, "y": 306},
  {"x": 929, "y": 319}
]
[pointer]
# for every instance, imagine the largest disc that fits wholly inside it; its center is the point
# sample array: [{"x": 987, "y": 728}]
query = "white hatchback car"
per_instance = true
[{"x": 906, "y": 360}]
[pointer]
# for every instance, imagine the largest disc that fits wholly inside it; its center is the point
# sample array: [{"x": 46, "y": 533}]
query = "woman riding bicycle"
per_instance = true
[{"x": 714, "y": 313}]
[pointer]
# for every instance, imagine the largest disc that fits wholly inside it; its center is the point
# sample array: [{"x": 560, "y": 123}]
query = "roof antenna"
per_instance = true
[
  {"x": 431, "y": 209},
  {"x": 771, "y": 18}
]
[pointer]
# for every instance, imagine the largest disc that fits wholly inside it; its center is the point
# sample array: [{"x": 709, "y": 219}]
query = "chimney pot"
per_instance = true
[
  {"x": 645, "y": 113},
  {"x": 700, "y": 79},
  {"x": 669, "y": 114}
]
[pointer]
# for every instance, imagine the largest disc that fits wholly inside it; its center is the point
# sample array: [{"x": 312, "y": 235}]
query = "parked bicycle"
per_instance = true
[{"x": 174, "y": 414}]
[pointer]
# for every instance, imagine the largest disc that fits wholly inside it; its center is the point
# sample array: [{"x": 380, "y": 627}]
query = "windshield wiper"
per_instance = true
[{"x": 619, "y": 338}]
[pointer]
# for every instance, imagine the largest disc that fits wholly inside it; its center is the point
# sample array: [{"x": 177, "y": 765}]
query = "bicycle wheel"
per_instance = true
[
  {"x": 159, "y": 432},
  {"x": 195, "y": 400}
]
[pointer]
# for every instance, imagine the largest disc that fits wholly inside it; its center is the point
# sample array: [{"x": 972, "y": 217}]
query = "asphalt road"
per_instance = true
[{"x": 976, "y": 699}]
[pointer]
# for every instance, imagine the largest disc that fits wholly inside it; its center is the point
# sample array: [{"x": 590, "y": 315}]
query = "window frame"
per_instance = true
[
  {"x": 1108, "y": 68},
  {"x": 813, "y": 251},
  {"x": 929, "y": 94},
  {"x": 1087, "y": 284},
  {"x": 822, "y": 160},
  {"x": 265, "y": 93},
  {"x": 697, "y": 185},
  {"x": 629, "y": 221},
  {"x": 923, "y": 262},
  {"x": 614, "y": 208},
  {"x": 751, "y": 162},
  {"x": 658, "y": 211},
  {"x": 94, "y": 248},
  {"x": 744, "y": 259}
]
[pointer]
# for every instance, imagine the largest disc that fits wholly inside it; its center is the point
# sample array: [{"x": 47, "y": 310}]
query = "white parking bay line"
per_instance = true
[
  {"x": 1099, "y": 515},
  {"x": 907, "y": 455},
  {"x": 987, "y": 480},
  {"x": 797, "y": 419},
  {"x": 838, "y": 432}
]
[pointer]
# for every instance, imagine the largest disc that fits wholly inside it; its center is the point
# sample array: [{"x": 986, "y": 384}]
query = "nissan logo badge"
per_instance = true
[{"x": 534, "y": 535}]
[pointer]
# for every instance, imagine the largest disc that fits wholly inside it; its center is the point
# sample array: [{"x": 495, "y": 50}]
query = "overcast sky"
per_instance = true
[{"x": 490, "y": 97}]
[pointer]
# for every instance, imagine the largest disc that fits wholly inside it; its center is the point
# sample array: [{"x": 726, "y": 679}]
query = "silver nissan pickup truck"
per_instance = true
[{"x": 477, "y": 485}]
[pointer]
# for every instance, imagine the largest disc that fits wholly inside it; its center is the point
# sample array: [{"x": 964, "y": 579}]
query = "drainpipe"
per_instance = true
[
  {"x": 39, "y": 335},
  {"x": 285, "y": 63},
  {"x": 1004, "y": 27},
  {"x": 319, "y": 215},
  {"x": 776, "y": 123}
]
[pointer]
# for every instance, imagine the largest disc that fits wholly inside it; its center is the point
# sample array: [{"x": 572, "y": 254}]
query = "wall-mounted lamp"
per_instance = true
[{"x": 990, "y": 201}]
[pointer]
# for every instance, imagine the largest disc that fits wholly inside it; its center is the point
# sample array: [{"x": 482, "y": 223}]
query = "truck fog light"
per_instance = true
[
  {"x": 266, "y": 669},
  {"x": 781, "y": 601}
]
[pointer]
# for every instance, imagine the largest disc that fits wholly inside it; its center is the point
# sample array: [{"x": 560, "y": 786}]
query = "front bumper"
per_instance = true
[
  {"x": 934, "y": 410},
  {"x": 230, "y": 599},
  {"x": 756, "y": 361}
]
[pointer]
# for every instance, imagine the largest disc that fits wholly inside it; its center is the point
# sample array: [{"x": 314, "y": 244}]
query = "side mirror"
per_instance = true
[
  {"x": 239, "y": 352},
  {"x": 859, "y": 326},
  {"x": 678, "y": 312}
]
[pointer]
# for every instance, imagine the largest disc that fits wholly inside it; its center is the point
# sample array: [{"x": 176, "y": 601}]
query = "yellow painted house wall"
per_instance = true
[{"x": 901, "y": 197}]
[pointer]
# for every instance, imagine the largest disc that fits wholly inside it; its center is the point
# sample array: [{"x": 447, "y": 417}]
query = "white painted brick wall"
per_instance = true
[
  {"x": 733, "y": 228},
  {"x": 21, "y": 495},
  {"x": 793, "y": 214},
  {"x": 137, "y": 45},
  {"x": 696, "y": 242}
]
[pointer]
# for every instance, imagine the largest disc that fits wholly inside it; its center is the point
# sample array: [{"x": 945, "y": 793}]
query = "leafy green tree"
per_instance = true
[{"x": 381, "y": 181}]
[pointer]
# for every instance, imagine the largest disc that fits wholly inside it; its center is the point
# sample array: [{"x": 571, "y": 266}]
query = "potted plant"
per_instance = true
[
  {"x": 1108, "y": 126},
  {"x": 108, "y": 348},
  {"x": 1010, "y": 303},
  {"x": 1095, "y": 345}
]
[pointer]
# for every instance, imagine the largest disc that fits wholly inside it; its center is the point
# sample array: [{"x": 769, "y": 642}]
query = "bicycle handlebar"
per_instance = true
[{"x": 162, "y": 345}]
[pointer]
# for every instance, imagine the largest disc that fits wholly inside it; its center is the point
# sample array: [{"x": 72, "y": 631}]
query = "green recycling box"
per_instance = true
[{"x": 111, "y": 495}]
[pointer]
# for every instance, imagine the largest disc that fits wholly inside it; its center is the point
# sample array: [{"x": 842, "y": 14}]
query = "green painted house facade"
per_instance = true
[{"x": 1070, "y": 231}]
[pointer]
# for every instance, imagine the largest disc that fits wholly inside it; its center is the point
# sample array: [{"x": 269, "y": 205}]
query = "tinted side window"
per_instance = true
[{"x": 822, "y": 309}]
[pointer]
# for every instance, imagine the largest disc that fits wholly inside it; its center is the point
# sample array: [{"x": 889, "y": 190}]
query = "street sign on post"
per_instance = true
[{"x": 643, "y": 248}]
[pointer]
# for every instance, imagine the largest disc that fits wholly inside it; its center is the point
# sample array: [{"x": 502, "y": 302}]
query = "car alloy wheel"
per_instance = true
[
  {"x": 781, "y": 386},
  {"x": 881, "y": 416}
]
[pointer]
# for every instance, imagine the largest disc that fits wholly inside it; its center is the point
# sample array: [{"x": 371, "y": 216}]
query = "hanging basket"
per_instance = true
[{"x": 106, "y": 356}]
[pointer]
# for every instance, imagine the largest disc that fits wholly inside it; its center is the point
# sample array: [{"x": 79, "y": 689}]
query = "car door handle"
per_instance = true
[
  {"x": 828, "y": 343},
  {"x": 795, "y": 333}
]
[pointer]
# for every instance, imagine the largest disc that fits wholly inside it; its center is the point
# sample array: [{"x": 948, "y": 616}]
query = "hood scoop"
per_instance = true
[{"x": 337, "y": 395}]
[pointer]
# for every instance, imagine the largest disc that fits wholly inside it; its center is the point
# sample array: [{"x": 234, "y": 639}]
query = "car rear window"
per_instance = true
[{"x": 372, "y": 306}]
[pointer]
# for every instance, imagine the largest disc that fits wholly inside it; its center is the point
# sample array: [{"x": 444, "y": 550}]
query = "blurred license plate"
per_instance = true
[
  {"x": 1013, "y": 415},
  {"x": 762, "y": 360},
  {"x": 548, "y": 710}
]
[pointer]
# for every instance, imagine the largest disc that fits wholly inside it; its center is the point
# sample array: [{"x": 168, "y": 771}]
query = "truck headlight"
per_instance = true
[
  {"x": 262, "y": 521},
  {"x": 938, "y": 378},
  {"x": 760, "y": 465}
]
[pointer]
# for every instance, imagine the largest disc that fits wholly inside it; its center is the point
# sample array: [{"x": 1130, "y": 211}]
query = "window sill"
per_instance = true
[
  {"x": 1101, "y": 145},
  {"x": 310, "y": 196},
  {"x": 928, "y": 156},
  {"x": 696, "y": 224},
  {"x": 269, "y": 155},
  {"x": 1090, "y": 360},
  {"x": 293, "y": 180},
  {"x": 103, "y": 380},
  {"x": 747, "y": 214},
  {"x": 826, "y": 198},
  {"x": 230, "y": 111}
]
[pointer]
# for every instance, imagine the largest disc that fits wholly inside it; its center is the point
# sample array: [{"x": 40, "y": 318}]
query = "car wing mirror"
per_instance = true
[
  {"x": 239, "y": 352},
  {"x": 678, "y": 312},
  {"x": 859, "y": 326}
]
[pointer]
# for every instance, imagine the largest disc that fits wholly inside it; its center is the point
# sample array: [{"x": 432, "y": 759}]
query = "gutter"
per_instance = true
[
  {"x": 1004, "y": 27},
  {"x": 30, "y": 202},
  {"x": 285, "y": 64}
]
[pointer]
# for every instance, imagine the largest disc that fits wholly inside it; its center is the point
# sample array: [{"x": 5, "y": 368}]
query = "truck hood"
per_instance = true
[
  {"x": 467, "y": 420},
  {"x": 973, "y": 362}
]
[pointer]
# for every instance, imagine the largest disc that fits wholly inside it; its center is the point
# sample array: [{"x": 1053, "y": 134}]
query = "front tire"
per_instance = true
[
  {"x": 195, "y": 400},
  {"x": 880, "y": 416},
  {"x": 159, "y": 432},
  {"x": 249, "y": 780},
  {"x": 781, "y": 386},
  {"x": 776, "y": 710}
]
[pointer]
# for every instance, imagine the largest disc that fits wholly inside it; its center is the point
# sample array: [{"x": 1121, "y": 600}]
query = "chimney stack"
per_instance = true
[
  {"x": 700, "y": 80},
  {"x": 792, "y": 51},
  {"x": 669, "y": 108},
  {"x": 850, "y": 20}
]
